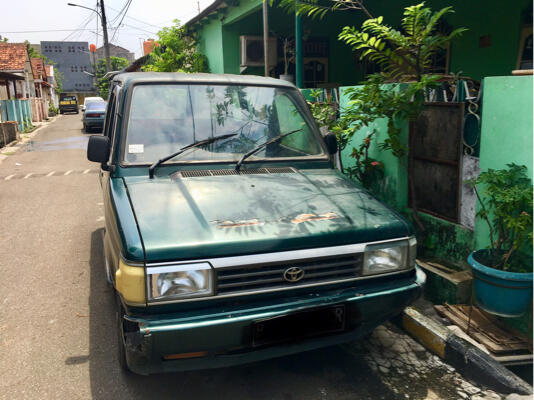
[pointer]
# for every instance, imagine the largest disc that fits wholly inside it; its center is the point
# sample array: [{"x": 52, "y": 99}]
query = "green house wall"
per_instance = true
[
  {"x": 506, "y": 130},
  {"x": 211, "y": 44},
  {"x": 219, "y": 35},
  {"x": 506, "y": 136}
]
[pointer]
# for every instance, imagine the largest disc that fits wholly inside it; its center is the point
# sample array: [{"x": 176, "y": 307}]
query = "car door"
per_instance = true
[{"x": 111, "y": 233}]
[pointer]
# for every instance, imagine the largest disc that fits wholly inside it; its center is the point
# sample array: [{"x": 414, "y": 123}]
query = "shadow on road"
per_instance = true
[{"x": 329, "y": 373}]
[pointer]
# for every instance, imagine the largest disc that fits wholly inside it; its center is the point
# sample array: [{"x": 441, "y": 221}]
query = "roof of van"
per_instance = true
[{"x": 180, "y": 77}]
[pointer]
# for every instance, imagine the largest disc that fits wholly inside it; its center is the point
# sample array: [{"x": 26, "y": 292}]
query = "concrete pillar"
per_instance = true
[{"x": 298, "y": 52}]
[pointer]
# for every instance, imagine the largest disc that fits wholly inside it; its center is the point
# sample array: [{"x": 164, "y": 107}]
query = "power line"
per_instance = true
[
  {"x": 125, "y": 8},
  {"x": 49, "y": 30},
  {"x": 83, "y": 25},
  {"x": 138, "y": 20},
  {"x": 80, "y": 33},
  {"x": 141, "y": 29}
]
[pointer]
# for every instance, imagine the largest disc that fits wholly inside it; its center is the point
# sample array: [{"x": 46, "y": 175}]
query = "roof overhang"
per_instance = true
[
  {"x": 10, "y": 76},
  {"x": 207, "y": 11}
]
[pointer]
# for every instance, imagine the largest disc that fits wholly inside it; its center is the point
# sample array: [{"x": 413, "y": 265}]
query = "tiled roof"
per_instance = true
[
  {"x": 12, "y": 56},
  {"x": 38, "y": 68}
]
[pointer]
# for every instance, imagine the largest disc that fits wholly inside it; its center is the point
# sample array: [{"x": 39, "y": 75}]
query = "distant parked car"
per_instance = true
[
  {"x": 93, "y": 116},
  {"x": 68, "y": 103},
  {"x": 88, "y": 100}
]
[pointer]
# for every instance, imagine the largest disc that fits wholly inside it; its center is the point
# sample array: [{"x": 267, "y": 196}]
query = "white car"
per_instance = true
[{"x": 89, "y": 100}]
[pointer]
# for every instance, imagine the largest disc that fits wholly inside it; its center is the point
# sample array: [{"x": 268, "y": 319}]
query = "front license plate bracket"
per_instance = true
[{"x": 298, "y": 326}]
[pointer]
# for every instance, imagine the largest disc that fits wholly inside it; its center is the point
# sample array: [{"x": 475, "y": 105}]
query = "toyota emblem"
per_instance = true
[{"x": 293, "y": 274}]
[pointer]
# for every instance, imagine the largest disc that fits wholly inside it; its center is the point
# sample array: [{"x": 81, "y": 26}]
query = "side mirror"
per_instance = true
[
  {"x": 98, "y": 149},
  {"x": 82, "y": 107},
  {"x": 331, "y": 143}
]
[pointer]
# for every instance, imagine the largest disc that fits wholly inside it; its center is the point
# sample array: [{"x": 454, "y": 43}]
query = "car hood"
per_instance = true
[{"x": 210, "y": 216}]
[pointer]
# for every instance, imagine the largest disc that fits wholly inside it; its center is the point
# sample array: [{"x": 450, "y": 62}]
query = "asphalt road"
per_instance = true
[{"x": 57, "y": 337}]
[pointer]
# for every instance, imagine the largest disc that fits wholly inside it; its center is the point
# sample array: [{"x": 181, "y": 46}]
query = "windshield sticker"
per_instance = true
[
  {"x": 313, "y": 217},
  {"x": 136, "y": 148}
]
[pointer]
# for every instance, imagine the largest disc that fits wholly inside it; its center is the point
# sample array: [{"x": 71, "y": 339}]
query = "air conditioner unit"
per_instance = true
[{"x": 252, "y": 51}]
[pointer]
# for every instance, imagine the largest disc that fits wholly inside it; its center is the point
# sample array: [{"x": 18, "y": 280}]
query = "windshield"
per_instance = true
[
  {"x": 166, "y": 117},
  {"x": 96, "y": 106}
]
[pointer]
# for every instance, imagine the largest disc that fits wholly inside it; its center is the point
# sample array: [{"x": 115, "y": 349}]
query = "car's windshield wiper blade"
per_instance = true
[
  {"x": 261, "y": 146},
  {"x": 189, "y": 146}
]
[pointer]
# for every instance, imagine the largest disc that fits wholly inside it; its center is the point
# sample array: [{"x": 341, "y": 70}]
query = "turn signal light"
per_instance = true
[{"x": 181, "y": 356}]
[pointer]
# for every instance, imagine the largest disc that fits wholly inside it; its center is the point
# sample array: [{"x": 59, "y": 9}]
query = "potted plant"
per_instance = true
[
  {"x": 502, "y": 273},
  {"x": 289, "y": 57}
]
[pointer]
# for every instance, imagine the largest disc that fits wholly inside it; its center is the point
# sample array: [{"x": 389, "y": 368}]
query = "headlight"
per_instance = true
[
  {"x": 389, "y": 257},
  {"x": 179, "y": 281}
]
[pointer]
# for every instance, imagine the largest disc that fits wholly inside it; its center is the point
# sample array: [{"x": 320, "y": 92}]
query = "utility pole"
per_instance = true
[
  {"x": 266, "y": 36},
  {"x": 105, "y": 30}
]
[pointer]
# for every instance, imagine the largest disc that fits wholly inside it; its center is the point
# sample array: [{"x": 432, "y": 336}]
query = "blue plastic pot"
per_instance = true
[{"x": 503, "y": 293}]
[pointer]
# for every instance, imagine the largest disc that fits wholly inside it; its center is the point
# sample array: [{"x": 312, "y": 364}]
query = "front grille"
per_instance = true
[
  {"x": 221, "y": 172},
  {"x": 264, "y": 278}
]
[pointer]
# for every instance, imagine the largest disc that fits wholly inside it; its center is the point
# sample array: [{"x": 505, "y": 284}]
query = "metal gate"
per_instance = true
[{"x": 436, "y": 139}]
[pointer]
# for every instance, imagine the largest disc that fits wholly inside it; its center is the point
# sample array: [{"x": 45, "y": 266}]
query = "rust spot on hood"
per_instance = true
[
  {"x": 236, "y": 224},
  {"x": 313, "y": 217}
]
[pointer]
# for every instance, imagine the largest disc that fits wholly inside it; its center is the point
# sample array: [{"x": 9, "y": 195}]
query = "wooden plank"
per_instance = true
[
  {"x": 473, "y": 332},
  {"x": 515, "y": 359},
  {"x": 521, "y": 72},
  {"x": 438, "y": 270},
  {"x": 487, "y": 329},
  {"x": 488, "y": 324},
  {"x": 494, "y": 339}
]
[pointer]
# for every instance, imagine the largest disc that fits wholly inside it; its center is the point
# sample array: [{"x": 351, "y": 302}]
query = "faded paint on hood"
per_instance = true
[{"x": 200, "y": 217}]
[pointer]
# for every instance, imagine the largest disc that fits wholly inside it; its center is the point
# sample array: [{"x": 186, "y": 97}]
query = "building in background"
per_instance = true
[
  {"x": 115, "y": 51},
  {"x": 43, "y": 89},
  {"x": 51, "y": 79},
  {"x": 72, "y": 61},
  {"x": 36, "y": 47},
  {"x": 14, "y": 59},
  {"x": 148, "y": 46}
]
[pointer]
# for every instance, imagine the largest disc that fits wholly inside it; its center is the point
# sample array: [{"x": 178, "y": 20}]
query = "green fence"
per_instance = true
[{"x": 16, "y": 110}]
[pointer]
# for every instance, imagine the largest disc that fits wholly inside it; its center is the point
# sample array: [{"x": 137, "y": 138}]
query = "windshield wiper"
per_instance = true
[
  {"x": 261, "y": 146},
  {"x": 189, "y": 146}
]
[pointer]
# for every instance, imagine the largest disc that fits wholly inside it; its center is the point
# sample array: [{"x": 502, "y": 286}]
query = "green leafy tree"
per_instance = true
[
  {"x": 59, "y": 80},
  {"x": 319, "y": 8},
  {"x": 117, "y": 63},
  {"x": 404, "y": 56},
  {"x": 176, "y": 51}
]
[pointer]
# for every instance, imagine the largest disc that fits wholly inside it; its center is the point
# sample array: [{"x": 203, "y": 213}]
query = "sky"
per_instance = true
[{"x": 55, "y": 20}]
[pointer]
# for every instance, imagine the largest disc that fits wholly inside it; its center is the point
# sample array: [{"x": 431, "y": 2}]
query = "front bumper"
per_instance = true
[
  {"x": 223, "y": 337},
  {"x": 73, "y": 108},
  {"x": 94, "y": 123}
]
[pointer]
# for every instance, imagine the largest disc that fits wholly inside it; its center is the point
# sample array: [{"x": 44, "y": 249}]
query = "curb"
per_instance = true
[{"x": 468, "y": 359}]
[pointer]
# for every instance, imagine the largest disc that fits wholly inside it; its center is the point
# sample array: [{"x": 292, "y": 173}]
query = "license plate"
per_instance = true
[{"x": 300, "y": 325}]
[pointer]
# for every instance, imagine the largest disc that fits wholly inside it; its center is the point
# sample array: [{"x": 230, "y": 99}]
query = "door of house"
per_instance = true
[{"x": 436, "y": 139}]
